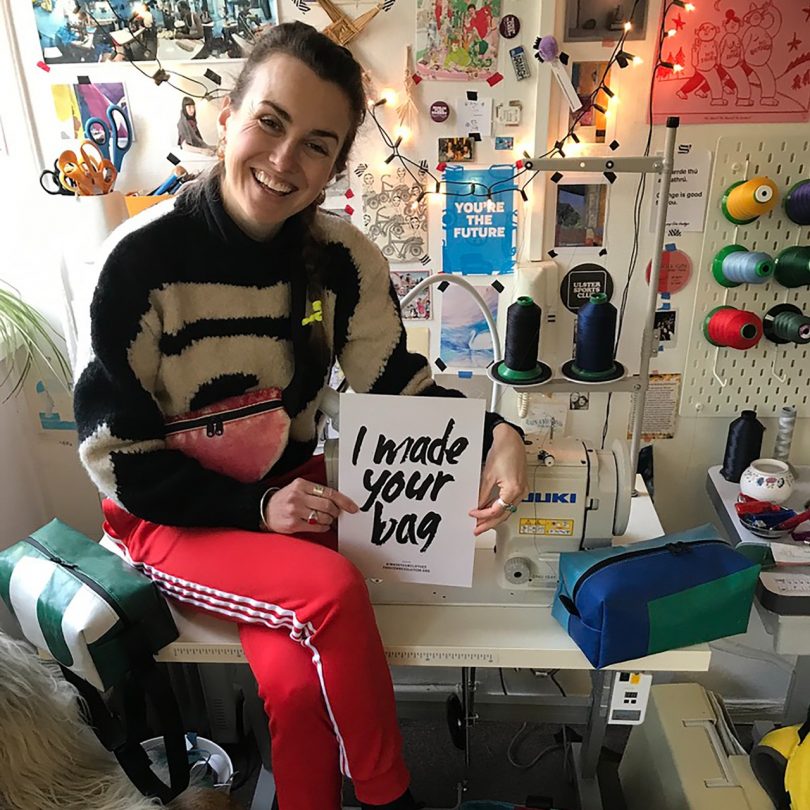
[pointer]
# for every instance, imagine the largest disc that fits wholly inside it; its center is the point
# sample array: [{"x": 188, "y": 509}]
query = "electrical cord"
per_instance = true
[
  {"x": 511, "y": 752},
  {"x": 637, "y": 207}
]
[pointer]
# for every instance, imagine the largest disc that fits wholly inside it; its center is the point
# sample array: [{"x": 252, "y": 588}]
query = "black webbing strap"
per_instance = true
[{"x": 123, "y": 734}]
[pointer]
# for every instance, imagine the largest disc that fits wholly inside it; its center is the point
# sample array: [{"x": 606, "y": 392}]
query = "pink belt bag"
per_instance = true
[{"x": 242, "y": 436}]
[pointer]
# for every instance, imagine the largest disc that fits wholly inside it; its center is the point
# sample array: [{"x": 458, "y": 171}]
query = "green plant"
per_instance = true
[{"x": 25, "y": 337}]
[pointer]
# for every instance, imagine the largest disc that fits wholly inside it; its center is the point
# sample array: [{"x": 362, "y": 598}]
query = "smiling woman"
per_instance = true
[{"x": 215, "y": 323}]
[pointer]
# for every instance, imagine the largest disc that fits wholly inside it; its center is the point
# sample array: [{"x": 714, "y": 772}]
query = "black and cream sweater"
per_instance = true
[{"x": 189, "y": 311}]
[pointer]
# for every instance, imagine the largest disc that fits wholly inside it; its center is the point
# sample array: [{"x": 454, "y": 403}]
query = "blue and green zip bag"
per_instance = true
[{"x": 625, "y": 602}]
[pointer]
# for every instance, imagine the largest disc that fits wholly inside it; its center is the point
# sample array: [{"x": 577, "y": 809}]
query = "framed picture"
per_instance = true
[
  {"x": 456, "y": 150},
  {"x": 122, "y": 30},
  {"x": 580, "y": 215},
  {"x": 598, "y": 20}
]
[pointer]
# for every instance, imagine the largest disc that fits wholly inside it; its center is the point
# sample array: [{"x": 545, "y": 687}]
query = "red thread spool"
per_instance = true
[{"x": 733, "y": 328}]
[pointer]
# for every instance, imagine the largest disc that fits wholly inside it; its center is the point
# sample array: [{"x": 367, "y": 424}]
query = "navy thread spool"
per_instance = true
[
  {"x": 734, "y": 265},
  {"x": 797, "y": 203},
  {"x": 743, "y": 445},
  {"x": 596, "y": 338},
  {"x": 520, "y": 365}
]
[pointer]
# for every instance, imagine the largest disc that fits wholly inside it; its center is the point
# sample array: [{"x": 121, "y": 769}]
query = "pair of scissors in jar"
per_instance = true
[
  {"x": 87, "y": 173},
  {"x": 52, "y": 182},
  {"x": 113, "y": 137}
]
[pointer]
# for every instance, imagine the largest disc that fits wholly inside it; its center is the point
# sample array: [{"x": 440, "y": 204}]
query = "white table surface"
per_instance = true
[{"x": 502, "y": 635}]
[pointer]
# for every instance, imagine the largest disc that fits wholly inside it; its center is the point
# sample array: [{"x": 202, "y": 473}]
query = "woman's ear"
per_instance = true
[{"x": 222, "y": 119}]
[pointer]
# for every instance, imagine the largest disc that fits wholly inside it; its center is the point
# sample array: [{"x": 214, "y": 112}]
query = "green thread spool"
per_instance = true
[
  {"x": 786, "y": 323},
  {"x": 793, "y": 267}
]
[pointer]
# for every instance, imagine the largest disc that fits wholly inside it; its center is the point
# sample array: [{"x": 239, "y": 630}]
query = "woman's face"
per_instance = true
[
  {"x": 280, "y": 144},
  {"x": 191, "y": 109}
]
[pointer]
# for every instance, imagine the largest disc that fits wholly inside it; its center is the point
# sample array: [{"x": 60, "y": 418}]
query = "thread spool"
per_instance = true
[
  {"x": 785, "y": 323},
  {"x": 732, "y": 328},
  {"x": 520, "y": 365},
  {"x": 784, "y": 435},
  {"x": 797, "y": 203},
  {"x": 743, "y": 445},
  {"x": 596, "y": 337},
  {"x": 792, "y": 267},
  {"x": 748, "y": 200},
  {"x": 734, "y": 265}
]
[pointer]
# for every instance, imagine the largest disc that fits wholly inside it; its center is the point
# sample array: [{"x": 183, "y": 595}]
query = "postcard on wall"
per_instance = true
[
  {"x": 76, "y": 103},
  {"x": 586, "y": 78},
  {"x": 665, "y": 325},
  {"x": 479, "y": 233},
  {"x": 660, "y": 408},
  {"x": 580, "y": 217},
  {"x": 600, "y": 20},
  {"x": 465, "y": 339},
  {"x": 394, "y": 217},
  {"x": 413, "y": 469},
  {"x": 112, "y": 31},
  {"x": 737, "y": 62},
  {"x": 404, "y": 281},
  {"x": 457, "y": 39},
  {"x": 456, "y": 150}
]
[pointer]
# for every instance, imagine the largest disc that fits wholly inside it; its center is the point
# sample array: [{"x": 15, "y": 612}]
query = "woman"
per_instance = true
[
  {"x": 218, "y": 319},
  {"x": 188, "y": 131}
]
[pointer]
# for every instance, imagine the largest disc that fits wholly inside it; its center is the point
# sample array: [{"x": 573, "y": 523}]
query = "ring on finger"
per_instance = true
[
  {"x": 509, "y": 507},
  {"x": 318, "y": 490},
  {"x": 312, "y": 517}
]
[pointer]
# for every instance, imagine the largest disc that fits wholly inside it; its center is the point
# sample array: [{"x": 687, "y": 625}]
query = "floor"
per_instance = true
[{"x": 437, "y": 766}]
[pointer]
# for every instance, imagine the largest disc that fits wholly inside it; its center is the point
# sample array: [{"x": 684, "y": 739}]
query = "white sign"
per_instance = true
[
  {"x": 412, "y": 465},
  {"x": 477, "y": 117},
  {"x": 688, "y": 191}
]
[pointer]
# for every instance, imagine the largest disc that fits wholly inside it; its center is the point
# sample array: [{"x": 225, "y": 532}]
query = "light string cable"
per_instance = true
[
  {"x": 663, "y": 34},
  {"x": 619, "y": 56},
  {"x": 207, "y": 95}
]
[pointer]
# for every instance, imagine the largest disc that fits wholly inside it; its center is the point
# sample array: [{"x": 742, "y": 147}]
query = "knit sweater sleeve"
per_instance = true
[{"x": 121, "y": 427}]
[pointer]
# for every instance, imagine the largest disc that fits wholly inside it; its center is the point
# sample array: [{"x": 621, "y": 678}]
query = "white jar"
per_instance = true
[{"x": 767, "y": 479}]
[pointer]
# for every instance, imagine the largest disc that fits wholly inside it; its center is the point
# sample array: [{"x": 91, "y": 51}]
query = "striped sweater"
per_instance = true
[{"x": 189, "y": 311}]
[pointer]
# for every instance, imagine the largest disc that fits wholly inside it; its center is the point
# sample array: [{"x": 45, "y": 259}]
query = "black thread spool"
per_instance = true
[
  {"x": 520, "y": 365},
  {"x": 596, "y": 338},
  {"x": 743, "y": 445}
]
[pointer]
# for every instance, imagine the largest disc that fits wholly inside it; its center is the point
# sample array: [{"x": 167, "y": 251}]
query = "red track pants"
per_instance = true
[{"x": 309, "y": 634}]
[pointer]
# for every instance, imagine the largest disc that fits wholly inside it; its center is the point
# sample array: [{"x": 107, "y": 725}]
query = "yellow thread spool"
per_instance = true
[{"x": 747, "y": 200}]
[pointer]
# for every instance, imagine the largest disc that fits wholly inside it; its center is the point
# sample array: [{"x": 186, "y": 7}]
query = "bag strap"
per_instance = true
[
  {"x": 122, "y": 735},
  {"x": 804, "y": 730}
]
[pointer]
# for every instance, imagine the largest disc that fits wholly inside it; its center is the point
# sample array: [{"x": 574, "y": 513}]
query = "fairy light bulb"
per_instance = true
[
  {"x": 628, "y": 26},
  {"x": 637, "y": 60},
  {"x": 671, "y": 32},
  {"x": 690, "y": 6},
  {"x": 403, "y": 133},
  {"x": 390, "y": 96},
  {"x": 676, "y": 68}
]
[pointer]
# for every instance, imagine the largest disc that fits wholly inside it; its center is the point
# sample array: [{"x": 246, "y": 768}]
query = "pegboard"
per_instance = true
[{"x": 768, "y": 376}]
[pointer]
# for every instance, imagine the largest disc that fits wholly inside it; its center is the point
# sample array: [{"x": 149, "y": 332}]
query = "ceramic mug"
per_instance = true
[{"x": 767, "y": 479}]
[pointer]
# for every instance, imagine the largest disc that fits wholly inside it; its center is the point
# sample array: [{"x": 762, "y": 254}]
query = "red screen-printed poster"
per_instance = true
[{"x": 743, "y": 61}]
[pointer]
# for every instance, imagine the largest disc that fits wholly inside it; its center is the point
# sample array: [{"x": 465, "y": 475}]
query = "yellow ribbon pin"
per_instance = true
[{"x": 317, "y": 314}]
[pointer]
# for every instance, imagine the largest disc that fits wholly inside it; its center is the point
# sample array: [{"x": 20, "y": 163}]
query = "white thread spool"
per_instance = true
[{"x": 784, "y": 436}]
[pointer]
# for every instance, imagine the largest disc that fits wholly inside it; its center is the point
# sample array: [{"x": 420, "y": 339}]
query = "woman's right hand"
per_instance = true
[{"x": 303, "y": 506}]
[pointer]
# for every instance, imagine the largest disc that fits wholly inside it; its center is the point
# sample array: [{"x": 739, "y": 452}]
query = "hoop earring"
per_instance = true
[
  {"x": 321, "y": 198},
  {"x": 220, "y": 150}
]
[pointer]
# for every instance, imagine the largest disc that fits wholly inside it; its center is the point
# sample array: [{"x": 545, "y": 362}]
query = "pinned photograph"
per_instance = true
[
  {"x": 404, "y": 281},
  {"x": 465, "y": 338},
  {"x": 580, "y": 215},
  {"x": 456, "y": 150},
  {"x": 75, "y": 104},
  {"x": 591, "y": 123},
  {"x": 598, "y": 20},
  {"x": 154, "y": 30},
  {"x": 579, "y": 401},
  {"x": 665, "y": 325}
]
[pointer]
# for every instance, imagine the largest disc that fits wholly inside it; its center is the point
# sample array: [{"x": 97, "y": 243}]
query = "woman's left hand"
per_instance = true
[{"x": 505, "y": 468}]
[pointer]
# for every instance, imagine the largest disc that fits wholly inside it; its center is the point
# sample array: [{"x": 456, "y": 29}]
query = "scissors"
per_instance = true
[
  {"x": 53, "y": 182},
  {"x": 106, "y": 135},
  {"x": 90, "y": 172}
]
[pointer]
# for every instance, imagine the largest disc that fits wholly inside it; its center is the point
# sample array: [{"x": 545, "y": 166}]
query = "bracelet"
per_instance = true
[{"x": 263, "y": 505}]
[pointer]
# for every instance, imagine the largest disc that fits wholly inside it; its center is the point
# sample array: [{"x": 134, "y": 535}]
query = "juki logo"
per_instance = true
[{"x": 551, "y": 497}]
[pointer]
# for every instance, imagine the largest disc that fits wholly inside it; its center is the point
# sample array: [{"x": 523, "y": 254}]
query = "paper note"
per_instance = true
[
  {"x": 660, "y": 408},
  {"x": 477, "y": 117},
  {"x": 791, "y": 553},
  {"x": 412, "y": 465},
  {"x": 688, "y": 191}
]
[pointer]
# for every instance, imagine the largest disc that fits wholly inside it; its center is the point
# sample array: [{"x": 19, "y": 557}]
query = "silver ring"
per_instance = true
[
  {"x": 312, "y": 517},
  {"x": 511, "y": 508},
  {"x": 318, "y": 490}
]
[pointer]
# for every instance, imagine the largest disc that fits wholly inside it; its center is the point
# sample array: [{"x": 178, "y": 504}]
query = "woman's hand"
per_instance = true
[
  {"x": 303, "y": 506},
  {"x": 505, "y": 468}
]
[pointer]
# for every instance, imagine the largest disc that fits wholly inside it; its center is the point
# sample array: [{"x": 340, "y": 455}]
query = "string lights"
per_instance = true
[{"x": 449, "y": 188}]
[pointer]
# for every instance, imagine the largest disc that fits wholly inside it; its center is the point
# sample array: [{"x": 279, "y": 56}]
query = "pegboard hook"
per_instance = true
[{"x": 714, "y": 369}]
